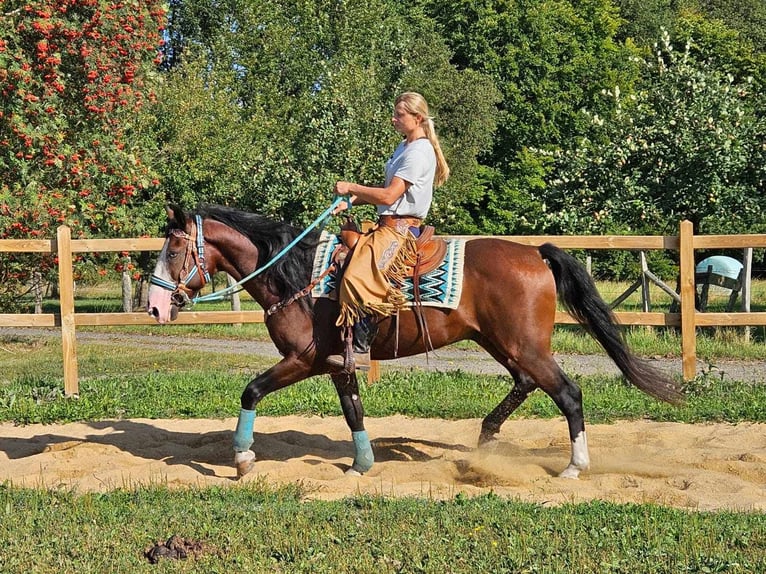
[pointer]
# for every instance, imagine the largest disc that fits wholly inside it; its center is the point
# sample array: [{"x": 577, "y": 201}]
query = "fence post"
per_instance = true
[
  {"x": 646, "y": 300},
  {"x": 66, "y": 301},
  {"x": 126, "y": 285},
  {"x": 688, "y": 309}
]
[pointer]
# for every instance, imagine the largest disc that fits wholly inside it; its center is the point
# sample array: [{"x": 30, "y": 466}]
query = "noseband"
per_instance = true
[{"x": 194, "y": 258}]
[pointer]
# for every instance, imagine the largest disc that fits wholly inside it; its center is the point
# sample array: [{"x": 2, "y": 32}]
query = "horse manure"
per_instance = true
[{"x": 176, "y": 548}]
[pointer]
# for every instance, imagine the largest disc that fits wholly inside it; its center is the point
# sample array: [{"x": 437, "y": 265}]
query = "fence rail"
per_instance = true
[{"x": 688, "y": 319}]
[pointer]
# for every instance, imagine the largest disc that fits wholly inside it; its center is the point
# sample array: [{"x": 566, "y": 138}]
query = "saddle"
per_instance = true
[{"x": 430, "y": 250}]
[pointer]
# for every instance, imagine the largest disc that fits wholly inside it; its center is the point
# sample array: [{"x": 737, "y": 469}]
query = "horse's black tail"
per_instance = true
[{"x": 579, "y": 295}]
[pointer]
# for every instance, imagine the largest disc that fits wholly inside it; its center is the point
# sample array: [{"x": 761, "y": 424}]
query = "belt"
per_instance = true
[{"x": 399, "y": 220}]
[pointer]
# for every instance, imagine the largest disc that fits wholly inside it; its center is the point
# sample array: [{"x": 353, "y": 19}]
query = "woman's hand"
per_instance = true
[
  {"x": 344, "y": 205},
  {"x": 343, "y": 188}
]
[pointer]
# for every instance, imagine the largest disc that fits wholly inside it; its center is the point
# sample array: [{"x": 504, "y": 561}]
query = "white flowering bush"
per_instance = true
[{"x": 689, "y": 144}]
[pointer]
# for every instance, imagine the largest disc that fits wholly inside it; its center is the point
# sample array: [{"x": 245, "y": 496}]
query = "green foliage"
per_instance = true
[
  {"x": 549, "y": 60},
  {"x": 496, "y": 205},
  {"x": 130, "y": 381},
  {"x": 264, "y": 105},
  {"x": 201, "y": 136},
  {"x": 304, "y": 98},
  {"x": 269, "y": 103},
  {"x": 746, "y": 17},
  {"x": 74, "y": 79},
  {"x": 713, "y": 41},
  {"x": 643, "y": 20},
  {"x": 682, "y": 147}
]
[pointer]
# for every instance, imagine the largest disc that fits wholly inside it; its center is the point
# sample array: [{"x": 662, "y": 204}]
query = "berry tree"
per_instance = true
[{"x": 75, "y": 79}]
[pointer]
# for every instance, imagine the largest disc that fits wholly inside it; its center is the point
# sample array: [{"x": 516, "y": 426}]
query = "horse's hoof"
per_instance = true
[
  {"x": 244, "y": 461},
  {"x": 488, "y": 442},
  {"x": 353, "y": 472},
  {"x": 570, "y": 472},
  {"x": 487, "y": 437}
]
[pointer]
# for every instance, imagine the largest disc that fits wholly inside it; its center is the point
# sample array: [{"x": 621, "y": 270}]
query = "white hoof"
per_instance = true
[
  {"x": 353, "y": 472},
  {"x": 570, "y": 472},
  {"x": 244, "y": 461}
]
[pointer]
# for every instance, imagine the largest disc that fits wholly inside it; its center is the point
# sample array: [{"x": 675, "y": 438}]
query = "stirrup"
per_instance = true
[{"x": 359, "y": 361}]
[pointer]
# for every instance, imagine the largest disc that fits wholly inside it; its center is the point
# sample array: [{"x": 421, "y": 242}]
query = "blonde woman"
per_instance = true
[{"x": 380, "y": 257}]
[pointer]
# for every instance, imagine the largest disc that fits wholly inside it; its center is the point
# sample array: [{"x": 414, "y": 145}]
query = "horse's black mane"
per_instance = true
[{"x": 292, "y": 272}]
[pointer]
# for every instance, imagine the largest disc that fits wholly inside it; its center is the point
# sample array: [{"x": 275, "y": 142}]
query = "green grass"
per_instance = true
[
  {"x": 123, "y": 381},
  {"x": 712, "y": 342},
  {"x": 257, "y": 529}
]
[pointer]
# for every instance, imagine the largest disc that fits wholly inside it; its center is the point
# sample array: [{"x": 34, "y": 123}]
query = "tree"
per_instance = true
[
  {"x": 548, "y": 60},
  {"x": 643, "y": 20},
  {"x": 747, "y": 17},
  {"x": 74, "y": 79},
  {"x": 688, "y": 145},
  {"x": 269, "y": 109},
  {"x": 725, "y": 48}
]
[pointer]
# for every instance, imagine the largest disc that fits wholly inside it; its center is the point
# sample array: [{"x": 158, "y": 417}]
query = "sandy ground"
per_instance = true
[
  {"x": 704, "y": 466},
  {"x": 701, "y": 467}
]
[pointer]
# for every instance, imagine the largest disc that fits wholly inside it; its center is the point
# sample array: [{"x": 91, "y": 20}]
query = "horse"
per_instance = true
[{"x": 507, "y": 306}]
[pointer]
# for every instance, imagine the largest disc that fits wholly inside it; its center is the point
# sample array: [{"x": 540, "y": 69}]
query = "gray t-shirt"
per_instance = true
[{"x": 415, "y": 163}]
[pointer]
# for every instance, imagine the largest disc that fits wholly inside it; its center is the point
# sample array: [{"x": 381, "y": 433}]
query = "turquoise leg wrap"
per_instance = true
[
  {"x": 243, "y": 436},
  {"x": 363, "y": 458}
]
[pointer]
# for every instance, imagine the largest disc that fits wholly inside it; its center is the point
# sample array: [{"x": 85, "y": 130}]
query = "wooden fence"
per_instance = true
[{"x": 688, "y": 319}]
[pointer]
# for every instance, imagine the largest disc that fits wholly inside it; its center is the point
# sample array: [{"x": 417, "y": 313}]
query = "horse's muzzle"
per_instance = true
[
  {"x": 155, "y": 312},
  {"x": 160, "y": 306}
]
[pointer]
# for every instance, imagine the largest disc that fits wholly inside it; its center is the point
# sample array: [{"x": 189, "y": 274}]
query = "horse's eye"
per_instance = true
[{"x": 172, "y": 254}]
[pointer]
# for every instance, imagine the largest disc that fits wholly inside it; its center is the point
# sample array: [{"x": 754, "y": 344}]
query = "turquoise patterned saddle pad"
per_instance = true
[{"x": 441, "y": 287}]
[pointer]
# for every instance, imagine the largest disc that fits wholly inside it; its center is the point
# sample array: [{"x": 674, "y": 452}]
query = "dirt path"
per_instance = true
[
  {"x": 447, "y": 359},
  {"x": 704, "y": 467}
]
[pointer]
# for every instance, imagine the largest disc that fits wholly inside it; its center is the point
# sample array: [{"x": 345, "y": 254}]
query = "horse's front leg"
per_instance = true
[
  {"x": 351, "y": 403},
  {"x": 288, "y": 371}
]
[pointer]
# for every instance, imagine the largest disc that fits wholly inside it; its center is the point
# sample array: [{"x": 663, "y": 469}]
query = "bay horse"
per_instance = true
[{"x": 507, "y": 306}]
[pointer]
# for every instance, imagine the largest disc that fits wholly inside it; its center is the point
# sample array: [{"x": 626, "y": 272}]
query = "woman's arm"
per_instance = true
[{"x": 363, "y": 194}]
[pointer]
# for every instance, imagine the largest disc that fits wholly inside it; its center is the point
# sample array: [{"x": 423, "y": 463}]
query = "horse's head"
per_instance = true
[{"x": 180, "y": 272}]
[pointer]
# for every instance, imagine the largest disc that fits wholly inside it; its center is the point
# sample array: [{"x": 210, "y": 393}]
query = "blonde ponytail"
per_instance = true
[{"x": 442, "y": 169}]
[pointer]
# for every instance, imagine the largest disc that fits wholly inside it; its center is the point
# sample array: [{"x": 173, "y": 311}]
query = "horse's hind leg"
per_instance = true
[
  {"x": 546, "y": 374},
  {"x": 348, "y": 392},
  {"x": 491, "y": 424},
  {"x": 568, "y": 398}
]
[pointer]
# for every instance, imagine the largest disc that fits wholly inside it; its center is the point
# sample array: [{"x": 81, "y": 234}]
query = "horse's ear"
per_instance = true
[{"x": 176, "y": 215}]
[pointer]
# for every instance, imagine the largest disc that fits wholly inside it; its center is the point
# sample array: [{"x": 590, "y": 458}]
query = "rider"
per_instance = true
[{"x": 380, "y": 256}]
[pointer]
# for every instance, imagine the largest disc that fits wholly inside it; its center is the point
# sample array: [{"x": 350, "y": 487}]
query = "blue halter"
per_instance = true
[{"x": 198, "y": 262}]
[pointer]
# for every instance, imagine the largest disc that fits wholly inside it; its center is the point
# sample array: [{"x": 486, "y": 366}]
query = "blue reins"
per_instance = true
[{"x": 237, "y": 287}]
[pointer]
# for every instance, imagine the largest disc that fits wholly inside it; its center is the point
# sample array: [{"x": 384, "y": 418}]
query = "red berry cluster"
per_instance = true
[{"x": 74, "y": 77}]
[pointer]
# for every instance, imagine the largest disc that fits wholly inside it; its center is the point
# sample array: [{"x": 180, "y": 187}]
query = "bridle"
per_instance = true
[
  {"x": 181, "y": 293},
  {"x": 193, "y": 265}
]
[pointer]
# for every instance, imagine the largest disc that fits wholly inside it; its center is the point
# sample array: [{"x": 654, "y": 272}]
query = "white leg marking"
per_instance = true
[
  {"x": 244, "y": 461},
  {"x": 580, "y": 459}
]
